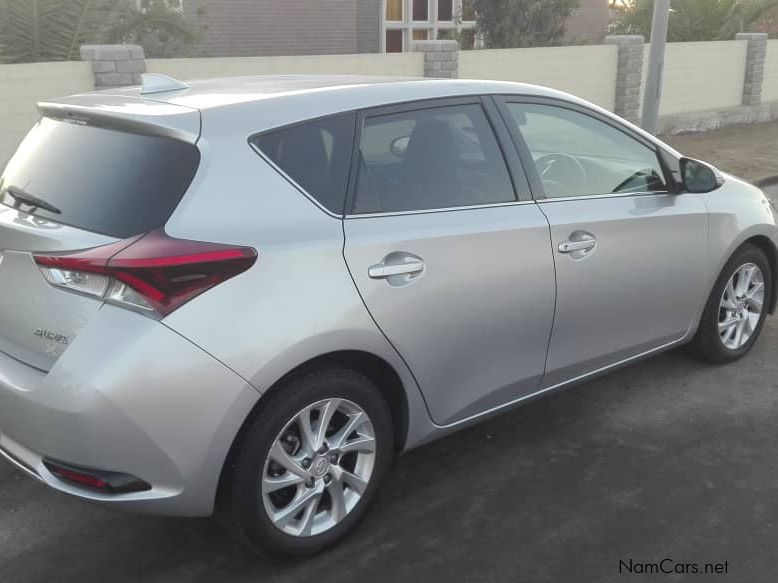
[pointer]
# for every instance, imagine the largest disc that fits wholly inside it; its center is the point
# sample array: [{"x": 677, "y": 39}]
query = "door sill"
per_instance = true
[{"x": 574, "y": 380}]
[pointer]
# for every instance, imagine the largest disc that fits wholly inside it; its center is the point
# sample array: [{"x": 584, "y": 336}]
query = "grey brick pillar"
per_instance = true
[
  {"x": 755, "y": 61},
  {"x": 441, "y": 58},
  {"x": 629, "y": 76},
  {"x": 115, "y": 65}
]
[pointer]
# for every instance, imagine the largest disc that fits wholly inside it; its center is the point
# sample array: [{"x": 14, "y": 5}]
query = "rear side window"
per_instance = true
[
  {"x": 316, "y": 155},
  {"x": 442, "y": 157},
  {"x": 105, "y": 181}
]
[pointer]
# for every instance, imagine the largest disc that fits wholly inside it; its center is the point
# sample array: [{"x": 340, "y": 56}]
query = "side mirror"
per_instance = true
[{"x": 699, "y": 177}]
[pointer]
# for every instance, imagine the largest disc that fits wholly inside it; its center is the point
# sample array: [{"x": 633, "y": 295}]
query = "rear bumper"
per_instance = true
[{"x": 130, "y": 396}]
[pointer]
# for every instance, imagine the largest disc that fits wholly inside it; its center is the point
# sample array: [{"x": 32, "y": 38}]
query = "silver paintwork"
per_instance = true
[
  {"x": 741, "y": 306},
  {"x": 499, "y": 313},
  {"x": 306, "y": 486}
]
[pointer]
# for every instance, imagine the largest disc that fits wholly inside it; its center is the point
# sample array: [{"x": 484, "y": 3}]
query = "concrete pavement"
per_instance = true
[{"x": 746, "y": 151}]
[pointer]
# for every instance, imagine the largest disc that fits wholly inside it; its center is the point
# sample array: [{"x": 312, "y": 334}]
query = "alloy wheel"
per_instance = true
[
  {"x": 318, "y": 467},
  {"x": 741, "y": 306}
]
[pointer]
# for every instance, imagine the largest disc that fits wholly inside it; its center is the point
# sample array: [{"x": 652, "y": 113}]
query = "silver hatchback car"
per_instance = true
[{"x": 245, "y": 296}]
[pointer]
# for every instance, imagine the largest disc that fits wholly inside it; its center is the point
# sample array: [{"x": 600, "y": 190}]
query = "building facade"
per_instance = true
[
  {"x": 589, "y": 22},
  {"x": 405, "y": 21},
  {"x": 236, "y": 28}
]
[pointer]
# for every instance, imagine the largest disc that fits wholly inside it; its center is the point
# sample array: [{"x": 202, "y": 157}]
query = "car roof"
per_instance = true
[
  {"x": 252, "y": 104},
  {"x": 214, "y": 93}
]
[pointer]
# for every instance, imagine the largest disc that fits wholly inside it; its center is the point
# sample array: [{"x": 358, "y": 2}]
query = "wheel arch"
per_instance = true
[
  {"x": 377, "y": 369},
  {"x": 768, "y": 248}
]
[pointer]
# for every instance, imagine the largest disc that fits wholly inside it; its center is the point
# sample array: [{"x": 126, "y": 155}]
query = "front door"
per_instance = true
[
  {"x": 630, "y": 256},
  {"x": 455, "y": 269}
]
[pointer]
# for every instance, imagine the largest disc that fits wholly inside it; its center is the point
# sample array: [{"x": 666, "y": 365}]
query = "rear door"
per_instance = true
[
  {"x": 630, "y": 254},
  {"x": 450, "y": 254},
  {"x": 73, "y": 186}
]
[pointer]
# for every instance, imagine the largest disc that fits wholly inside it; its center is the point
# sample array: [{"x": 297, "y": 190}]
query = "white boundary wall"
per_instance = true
[
  {"x": 586, "y": 71},
  {"x": 702, "y": 76},
  {"x": 22, "y": 86},
  {"x": 401, "y": 64},
  {"x": 699, "y": 77}
]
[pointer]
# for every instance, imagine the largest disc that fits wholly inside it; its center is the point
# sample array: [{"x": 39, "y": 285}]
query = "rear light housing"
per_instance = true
[
  {"x": 97, "y": 480},
  {"x": 153, "y": 274}
]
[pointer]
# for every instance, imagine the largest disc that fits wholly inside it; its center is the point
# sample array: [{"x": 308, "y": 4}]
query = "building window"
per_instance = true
[
  {"x": 394, "y": 41},
  {"x": 468, "y": 12},
  {"x": 446, "y": 10},
  {"x": 394, "y": 10},
  {"x": 421, "y": 10},
  {"x": 413, "y": 20}
]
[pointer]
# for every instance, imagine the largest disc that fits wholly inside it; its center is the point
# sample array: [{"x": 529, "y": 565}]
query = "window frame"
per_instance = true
[
  {"x": 518, "y": 177},
  {"x": 662, "y": 155}
]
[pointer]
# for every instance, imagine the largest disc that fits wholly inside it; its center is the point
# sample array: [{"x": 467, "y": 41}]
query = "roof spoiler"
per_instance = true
[
  {"x": 126, "y": 113},
  {"x": 159, "y": 83}
]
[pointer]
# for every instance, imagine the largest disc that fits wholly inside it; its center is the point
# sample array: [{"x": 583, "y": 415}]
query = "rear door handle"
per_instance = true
[
  {"x": 570, "y": 246},
  {"x": 579, "y": 245},
  {"x": 382, "y": 270}
]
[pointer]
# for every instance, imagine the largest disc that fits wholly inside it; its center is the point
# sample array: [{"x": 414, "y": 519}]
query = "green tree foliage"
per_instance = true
[
  {"x": 697, "y": 20},
  {"x": 54, "y": 30},
  {"x": 522, "y": 23}
]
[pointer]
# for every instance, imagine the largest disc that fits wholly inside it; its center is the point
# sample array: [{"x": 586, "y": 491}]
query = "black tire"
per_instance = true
[
  {"x": 240, "y": 507},
  {"x": 707, "y": 344}
]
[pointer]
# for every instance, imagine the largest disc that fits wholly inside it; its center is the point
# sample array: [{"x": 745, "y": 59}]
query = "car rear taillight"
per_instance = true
[{"x": 152, "y": 273}]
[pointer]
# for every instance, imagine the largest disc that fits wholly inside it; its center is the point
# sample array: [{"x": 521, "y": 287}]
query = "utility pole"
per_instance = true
[{"x": 656, "y": 65}]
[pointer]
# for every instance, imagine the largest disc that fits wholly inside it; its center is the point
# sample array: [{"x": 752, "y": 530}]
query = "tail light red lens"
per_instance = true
[{"x": 152, "y": 273}]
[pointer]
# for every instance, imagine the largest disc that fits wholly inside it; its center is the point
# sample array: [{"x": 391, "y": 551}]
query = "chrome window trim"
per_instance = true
[
  {"x": 292, "y": 181},
  {"x": 611, "y": 195},
  {"x": 438, "y": 210}
]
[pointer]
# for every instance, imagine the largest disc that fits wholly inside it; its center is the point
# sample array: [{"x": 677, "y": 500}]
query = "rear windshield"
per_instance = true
[{"x": 106, "y": 181}]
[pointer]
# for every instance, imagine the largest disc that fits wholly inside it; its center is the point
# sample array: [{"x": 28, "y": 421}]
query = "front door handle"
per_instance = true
[{"x": 382, "y": 270}]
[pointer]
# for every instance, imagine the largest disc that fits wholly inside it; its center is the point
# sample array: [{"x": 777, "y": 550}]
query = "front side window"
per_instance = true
[
  {"x": 316, "y": 155},
  {"x": 578, "y": 155},
  {"x": 427, "y": 159}
]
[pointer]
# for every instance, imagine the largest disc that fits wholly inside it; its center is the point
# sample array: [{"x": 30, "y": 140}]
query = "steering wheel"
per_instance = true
[{"x": 562, "y": 169}]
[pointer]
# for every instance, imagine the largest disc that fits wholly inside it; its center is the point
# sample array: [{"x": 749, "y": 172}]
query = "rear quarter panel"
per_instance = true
[{"x": 298, "y": 302}]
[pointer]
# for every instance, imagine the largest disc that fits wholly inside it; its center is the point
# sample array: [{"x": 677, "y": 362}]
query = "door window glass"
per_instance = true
[
  {"x": 579, "y": 155},
  {"x": 430, "y": 159}
]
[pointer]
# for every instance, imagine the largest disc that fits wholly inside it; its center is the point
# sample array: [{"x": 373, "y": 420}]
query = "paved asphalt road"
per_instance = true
[{"x": 666, "y": 459}]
